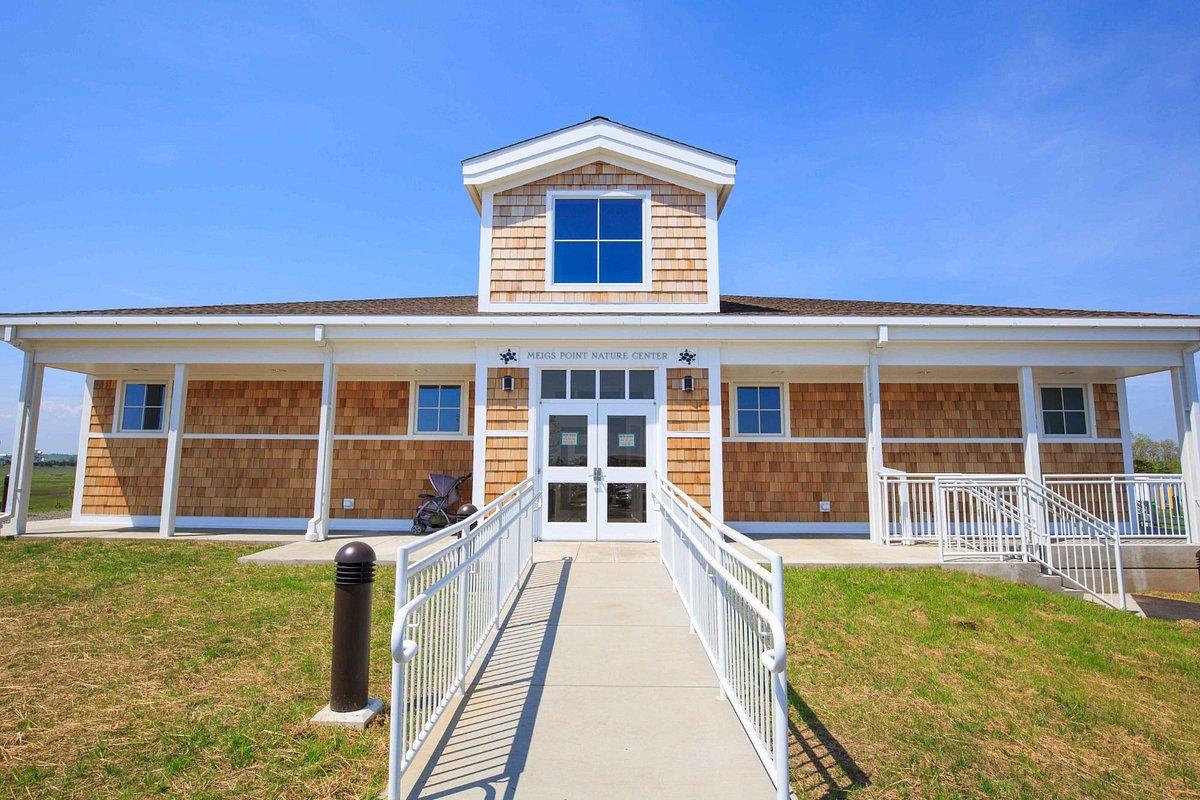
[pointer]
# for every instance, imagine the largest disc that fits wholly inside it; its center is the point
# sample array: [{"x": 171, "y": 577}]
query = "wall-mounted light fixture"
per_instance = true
[
  {"x": 689, "y": 383},
  {"x": 508, "y": 383}
]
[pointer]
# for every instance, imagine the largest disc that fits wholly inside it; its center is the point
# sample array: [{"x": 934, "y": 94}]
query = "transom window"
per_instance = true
[
  {"x": 604, "y": 384},
  {"x": 760, "y": 410},
  {"x": 1064, "y": 411},
  {"x": 439, "y": 408},
  {"x": 142, "y": 406},
  {"x": 598, "y": 240}
]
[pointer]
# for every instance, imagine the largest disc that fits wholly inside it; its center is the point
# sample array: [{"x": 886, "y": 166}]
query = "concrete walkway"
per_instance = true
[{"x": 594, "y": 689}]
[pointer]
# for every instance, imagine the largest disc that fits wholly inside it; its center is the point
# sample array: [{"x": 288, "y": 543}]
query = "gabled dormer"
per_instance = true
[{"x": 599, "y": 217}]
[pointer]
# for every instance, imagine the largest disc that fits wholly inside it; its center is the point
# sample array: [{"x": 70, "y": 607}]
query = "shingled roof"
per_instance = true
[{"x": 731, "y": 306}]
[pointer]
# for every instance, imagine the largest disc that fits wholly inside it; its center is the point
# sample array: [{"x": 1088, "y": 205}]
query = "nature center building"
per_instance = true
[{"x": 598, "y": 358}]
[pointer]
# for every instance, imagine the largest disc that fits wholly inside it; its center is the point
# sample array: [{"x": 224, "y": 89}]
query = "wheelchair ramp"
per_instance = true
[{"x": 594, "y": 688}]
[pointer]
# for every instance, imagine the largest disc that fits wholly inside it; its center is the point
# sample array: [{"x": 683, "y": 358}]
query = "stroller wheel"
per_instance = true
[{"x": 418, "y": 528}]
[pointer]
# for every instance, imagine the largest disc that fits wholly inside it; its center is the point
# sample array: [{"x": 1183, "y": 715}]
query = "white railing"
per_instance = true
[
  {"x": 983, "y": 516},
  {"x": 447, "y": 602},
  {"x": 735, "y": 605},
  {"x": 1011, "y": 517},
  {"x": 909, "y": 512},
  {"x": 1141, "y": 506}
]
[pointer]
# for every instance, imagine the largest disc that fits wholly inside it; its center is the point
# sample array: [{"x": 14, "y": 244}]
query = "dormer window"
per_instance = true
[{"x": 598, "y": 239}]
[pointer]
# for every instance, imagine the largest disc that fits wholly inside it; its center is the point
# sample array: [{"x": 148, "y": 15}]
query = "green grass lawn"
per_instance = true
[
  {"x": 52, "y": 490},
  {"x": 929, "y": 683},
  {"x": 138, "y": 669}
]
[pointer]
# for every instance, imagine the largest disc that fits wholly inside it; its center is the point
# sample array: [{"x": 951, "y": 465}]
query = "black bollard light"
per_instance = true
[{"x": 353, "y": 580}]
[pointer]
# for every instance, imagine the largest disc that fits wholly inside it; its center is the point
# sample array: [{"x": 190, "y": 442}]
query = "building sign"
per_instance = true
[{"x": 591, "y": 356}]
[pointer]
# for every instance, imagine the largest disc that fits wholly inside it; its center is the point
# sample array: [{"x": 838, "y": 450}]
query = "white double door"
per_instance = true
[{"x": 597, "y": 465}]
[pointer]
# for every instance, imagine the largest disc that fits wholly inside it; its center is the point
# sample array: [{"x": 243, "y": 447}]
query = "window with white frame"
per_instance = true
[
  {"x": 759, "y": 410},
  {"x": 439, "y": 408},
  {"x": 598, "y": 240},
  {"x": 142, "y": 407},
  {"x": 1064, "y": 411}
]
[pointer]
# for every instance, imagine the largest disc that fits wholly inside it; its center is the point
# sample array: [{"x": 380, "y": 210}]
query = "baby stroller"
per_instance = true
[{"x": 437, "y": 510}]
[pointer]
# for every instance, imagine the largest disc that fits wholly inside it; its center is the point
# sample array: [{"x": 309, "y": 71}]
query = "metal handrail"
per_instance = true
[
  {"x": 717, "y": 583},
  {"x": 435, "y": 644}
]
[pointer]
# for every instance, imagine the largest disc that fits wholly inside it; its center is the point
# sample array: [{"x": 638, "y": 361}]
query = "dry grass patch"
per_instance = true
[
  {"x": 926, "y": 683},
  {"x": 133, "y": 669}
]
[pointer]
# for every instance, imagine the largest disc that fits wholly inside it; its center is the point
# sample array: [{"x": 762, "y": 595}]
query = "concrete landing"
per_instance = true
[{"x": 594, "y": 689}]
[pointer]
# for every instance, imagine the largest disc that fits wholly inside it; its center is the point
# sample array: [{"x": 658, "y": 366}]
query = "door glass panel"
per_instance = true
[
  {"x": 554, "y": 384},
  {"x": 612, "y": 384},
  {"x": 568, "y": 441},
  {"x": 626, "y": 502},
  {"x": 583, "y": 384},
  {"x": 626, "y": 441},
  {"x": 567, "y": 502},
  {"x": 641, "y": 384}
]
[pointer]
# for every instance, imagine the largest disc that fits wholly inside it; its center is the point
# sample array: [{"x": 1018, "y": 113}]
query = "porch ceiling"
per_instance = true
[{"x": 917, "y": 374}]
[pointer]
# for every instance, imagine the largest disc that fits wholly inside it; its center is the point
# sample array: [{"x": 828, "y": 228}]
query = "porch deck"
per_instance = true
[{"x": 291, "y": 548}]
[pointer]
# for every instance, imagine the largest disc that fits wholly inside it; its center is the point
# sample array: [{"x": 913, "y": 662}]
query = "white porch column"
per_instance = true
[
  {"x": 29, "y": 402},
  {"x": 1029, "y": 425},
  {"x": 874, "y": 424},
  {"x": 170, "y": 497},
  {"x": 716, "y": 450},
  {"x": 318, "y": 526},
  {"x": 479, "y": 443},
  {"x": 1187, "y": 418}
]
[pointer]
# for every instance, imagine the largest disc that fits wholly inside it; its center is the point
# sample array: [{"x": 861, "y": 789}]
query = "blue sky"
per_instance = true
[{"x": 1039, "y": 154}]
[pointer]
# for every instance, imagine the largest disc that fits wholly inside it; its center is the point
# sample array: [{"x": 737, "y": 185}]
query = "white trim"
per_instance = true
[
  {"x": 176, "y": 412},
  {"x": 711, "y": 256},
  {"x": 1089, "y": 411},
  {"x": 952, "y": 440},
  {"x": 599, "y": 194},
  {"x": 283, "y": 437},
  {"x": 295, "y": 437},
  {"x": 487, "y": 218},
  {"x": 502, "y": 434},
  {"x": 1031, "y": 423},
  {"x": 1126, "y": 432},
  {"x": 479, "y": 448},
  {"x": 766, "y": 439},
  {"x": 786, "y": 528},
  {"x": 596, "y": 139},
  {"x": 784, "y": 410},
  {"x": 716, "y": 450},
  {"x": 119, "y": 407},
  {"x": 463, "y": 394},
  {"x": 691, "y": 434},
  {"x": 280, "y": 524},
  {"x": 85, "y": 429},
  {"x": 317, "y": 529}
]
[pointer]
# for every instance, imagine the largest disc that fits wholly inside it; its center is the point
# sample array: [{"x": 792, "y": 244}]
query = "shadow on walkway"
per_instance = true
[
  {"x": 484, "y": 749},
  {"x": 821, "y": 767}
]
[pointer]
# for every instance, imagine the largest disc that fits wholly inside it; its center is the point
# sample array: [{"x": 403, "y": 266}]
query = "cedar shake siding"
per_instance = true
[
  {"x": 678, "y": 240},
  {"x": 786, "y": 481},
  {"x": 385, "y": 477},
  {"x": 950, "y": 410},
  {"x": 228, "y": 474}
]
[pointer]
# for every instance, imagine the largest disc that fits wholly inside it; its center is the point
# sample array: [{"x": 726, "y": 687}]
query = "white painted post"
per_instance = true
[
  {"x": 85, "y": 431},
  {"x": 29, "y": 402},
  {"x": 1029, "y": 425},
  {"x": 874, "y": 421},
  {"x": 479, "y": 444},
  {"x": 1187, "y": 418},
  {"x": 170, "y": 497},
  {"x": 1131, "y": 511},
  {"x": 318, "y": 526},
  {"x": 716, "y": 451}
]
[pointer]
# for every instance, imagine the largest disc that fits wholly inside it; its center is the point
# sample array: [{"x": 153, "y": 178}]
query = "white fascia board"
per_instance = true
[
  {"x": 250, "y": 325},
  {"x": 1146, "y": 355},
  {"x": 509, "y": 162}
]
